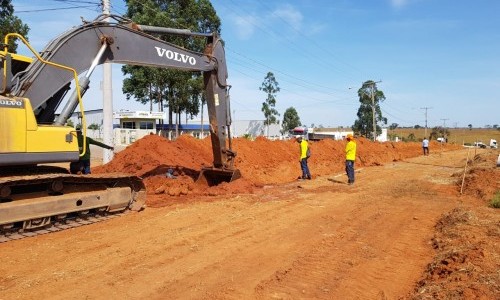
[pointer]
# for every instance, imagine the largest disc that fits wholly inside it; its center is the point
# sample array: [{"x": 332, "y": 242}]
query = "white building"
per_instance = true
[
  {"x": 255, "y": 128},
  {"x": 382, "y": 137},
  {"x": 134, "y": 125},
  {"x": 130, "y": 126}
]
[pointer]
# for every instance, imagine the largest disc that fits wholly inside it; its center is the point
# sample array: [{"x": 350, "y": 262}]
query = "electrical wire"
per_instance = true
[
  {"x": 330, "y": 53},
  {"x": 282, "y": 73},
  {"x": 279, "y": 36},
  {"x": 55, "y": 9},
  {"x": 76, "y": 1}
]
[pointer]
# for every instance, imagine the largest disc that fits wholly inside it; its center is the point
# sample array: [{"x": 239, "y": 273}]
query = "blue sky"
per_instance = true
[{"x": 443, "y": 55}]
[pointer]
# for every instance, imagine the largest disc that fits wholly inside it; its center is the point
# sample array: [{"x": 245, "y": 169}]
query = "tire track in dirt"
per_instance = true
[{"x": 367, "y": 274}]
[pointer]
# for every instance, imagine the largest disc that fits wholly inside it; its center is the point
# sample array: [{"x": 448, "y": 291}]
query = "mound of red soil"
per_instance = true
[
  {"x": 261, "y": 162},
  {"x": 482, "y": 178}
]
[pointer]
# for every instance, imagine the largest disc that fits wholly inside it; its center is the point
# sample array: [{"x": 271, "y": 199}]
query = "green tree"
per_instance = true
[
  {"x": 470, "y": 126},
  {"x": 291, "y": 120},
  {"x": 94, "y": 126},
  {"x": 439, "y": 131},
  {"x": 170, "y": 88},
  {"x": 11, "y": 24},
  {"x": 364, "y": 124},
  {"x": 270, "y": 86},
  {"x": 393, "y": 126}
]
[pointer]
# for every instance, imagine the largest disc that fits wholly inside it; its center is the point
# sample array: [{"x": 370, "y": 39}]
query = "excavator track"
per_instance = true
[
  {"x": 43, "y": 202},
  {"x": 63, "y": 225}
]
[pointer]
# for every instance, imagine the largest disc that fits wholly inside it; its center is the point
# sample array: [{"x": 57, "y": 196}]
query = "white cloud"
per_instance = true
[
  {"x": 245, "y": 26},
  {"x": 290, "y": 15}
]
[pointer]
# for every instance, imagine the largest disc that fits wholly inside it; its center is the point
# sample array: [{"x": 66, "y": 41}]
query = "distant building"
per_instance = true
[
  {"x": 255, "y": 128},
  {"x": 382, "y": 137},
  {"x": 251, "y": 128},
  {"x": 317, "y": 134},
  {"x": 130, "y": 126},
  {"x": 134, "y": 125},
  {"x": 196, "y": 130}
]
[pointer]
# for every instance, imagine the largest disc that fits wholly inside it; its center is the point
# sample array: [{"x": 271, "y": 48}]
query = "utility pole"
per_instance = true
[
  {"x": 426, "y": 108},
  {"x": 374, "y": 124},
  {"x": 107, "y": 99},
  {"x": 444, "y": 129}
]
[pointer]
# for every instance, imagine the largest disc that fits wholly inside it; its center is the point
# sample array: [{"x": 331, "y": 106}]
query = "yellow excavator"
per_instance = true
[{"x": 38, "y": 197}]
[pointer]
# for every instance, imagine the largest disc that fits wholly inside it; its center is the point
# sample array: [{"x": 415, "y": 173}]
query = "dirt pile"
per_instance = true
[
  {"x": 466, "y": 237},
  {"x": 482, "y": 178},
  {"x": 465, "y": 266},
  {"x": 261, "y": 162}
]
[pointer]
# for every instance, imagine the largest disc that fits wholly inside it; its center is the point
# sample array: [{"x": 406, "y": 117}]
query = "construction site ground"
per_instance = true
[{"x": 404, "y": 230}]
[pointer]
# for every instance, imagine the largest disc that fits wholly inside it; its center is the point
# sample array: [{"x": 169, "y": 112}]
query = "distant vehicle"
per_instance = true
[
  {"x": 441, "y": 139},
  {"x": 312, "y": 134},
  {"x": 479, "y": 145},
  {"x": 298, "y": 132},
  {"x": 493, "y": 144}
]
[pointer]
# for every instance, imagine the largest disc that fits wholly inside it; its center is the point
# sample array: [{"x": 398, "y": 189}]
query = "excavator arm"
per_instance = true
[{"x": 123, "y": 42}]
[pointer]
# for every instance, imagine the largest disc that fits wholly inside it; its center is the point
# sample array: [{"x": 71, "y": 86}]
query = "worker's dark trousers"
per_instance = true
[
  {"x": 349, "y": 170},
  {"x": 86, "y": 166},
  {"x": 305, "y": 168}
]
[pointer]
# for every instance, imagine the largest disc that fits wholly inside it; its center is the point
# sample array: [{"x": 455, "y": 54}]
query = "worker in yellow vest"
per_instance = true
[
  {"x": 350, "y": 157},
  {"x": 304, "y": 155}
]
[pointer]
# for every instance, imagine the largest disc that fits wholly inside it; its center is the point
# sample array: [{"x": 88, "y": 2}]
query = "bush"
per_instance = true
[{"x": 495, "y": 202}]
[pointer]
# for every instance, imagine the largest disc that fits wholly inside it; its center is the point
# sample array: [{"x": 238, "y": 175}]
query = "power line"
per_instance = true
[
  {"x": 285, "y": 74},
  {"x": 57, "y": 8},
  {"x": 301, "y": 83},
  {"x": 398, "y": 118},
  {"x": 273, "y": 33},
  {"x": 76, "y": 1},
  {"x": 308, "y": 97},
  {"x": 308, "y": 38}
]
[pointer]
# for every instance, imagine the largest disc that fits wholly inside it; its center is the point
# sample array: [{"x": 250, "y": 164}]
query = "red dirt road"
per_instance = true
[{"x": 401, "y": 232}]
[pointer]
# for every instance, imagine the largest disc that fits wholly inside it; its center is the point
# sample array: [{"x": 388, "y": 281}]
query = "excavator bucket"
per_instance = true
[{"x": 215, "y": 176}]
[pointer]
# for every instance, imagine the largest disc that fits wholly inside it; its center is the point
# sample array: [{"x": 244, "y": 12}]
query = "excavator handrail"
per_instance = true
[{"x": 56, "y": 65}]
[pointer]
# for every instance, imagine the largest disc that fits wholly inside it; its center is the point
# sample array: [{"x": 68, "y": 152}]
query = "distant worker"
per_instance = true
[
  {"x": 82, "y": 166},
  {"x": 350, "y": 157},
  {"x": 425, "y": 146},
  {"x": 304, "y": 155}
]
